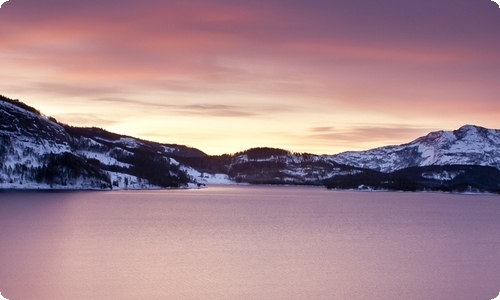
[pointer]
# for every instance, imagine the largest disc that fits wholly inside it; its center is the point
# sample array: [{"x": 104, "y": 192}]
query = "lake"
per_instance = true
[{"x": 249, "y": 242}]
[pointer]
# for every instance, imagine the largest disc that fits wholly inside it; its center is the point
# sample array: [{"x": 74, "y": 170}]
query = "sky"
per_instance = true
[{"x": 317, "y": 76}]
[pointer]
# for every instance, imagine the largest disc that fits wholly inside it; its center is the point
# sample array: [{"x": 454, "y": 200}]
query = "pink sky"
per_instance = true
[{"x": 223, "y": 76}]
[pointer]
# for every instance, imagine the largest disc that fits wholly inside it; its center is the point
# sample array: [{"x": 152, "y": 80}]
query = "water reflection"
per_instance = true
[{"x": 248, "y": 243}]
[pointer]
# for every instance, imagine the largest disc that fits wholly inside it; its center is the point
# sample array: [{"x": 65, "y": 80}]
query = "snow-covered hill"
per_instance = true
[
  {"x": 38, "y": 152},
  {"x": 271, "y": 166},
  {"x": 468, "y": 145}
]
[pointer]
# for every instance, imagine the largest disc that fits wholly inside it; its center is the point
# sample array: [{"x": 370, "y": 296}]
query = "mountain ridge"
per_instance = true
[
  {"x": 36, "y": 151},
  {"x": 468, "y": 145}
]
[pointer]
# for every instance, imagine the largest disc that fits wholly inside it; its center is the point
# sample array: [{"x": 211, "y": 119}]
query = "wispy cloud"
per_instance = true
[
  {"x": 369, "y": 133},
  {"x": 200, "y": 109},
  {"x": 409, "y": 65},
  {"x": 86, "y": 120}
]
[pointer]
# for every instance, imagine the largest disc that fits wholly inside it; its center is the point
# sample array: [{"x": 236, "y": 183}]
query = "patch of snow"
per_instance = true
[
  {"x": 168, "y": 149},
  {"x": 207, "y": 178},
  {"x": 130, "y": 142},
  {"x": 442, "y": 175},
  {"x": 173, "y": 161},
  {"x": 103, "y": 158},
  {"x": 105, "y": 140},
  {"x": 122, "y": 181},
  {"x": 241, "y": 158}
]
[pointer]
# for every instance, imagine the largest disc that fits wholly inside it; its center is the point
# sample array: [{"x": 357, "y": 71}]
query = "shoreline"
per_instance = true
[{"x": 195, "y": 187}]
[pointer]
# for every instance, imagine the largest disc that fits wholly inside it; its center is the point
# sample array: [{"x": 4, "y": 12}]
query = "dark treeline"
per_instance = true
[
  {"x": 449, "y": 178},
  {"x": 156, "y": 169}
]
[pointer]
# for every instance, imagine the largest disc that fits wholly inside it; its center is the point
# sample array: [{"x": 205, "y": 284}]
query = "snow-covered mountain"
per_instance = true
[
  {"x": 38, "y": 152},
  {"x": 468, "y": 145}
]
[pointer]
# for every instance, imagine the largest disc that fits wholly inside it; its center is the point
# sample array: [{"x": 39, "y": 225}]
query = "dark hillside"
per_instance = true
[{"x": 449, "y": 178}]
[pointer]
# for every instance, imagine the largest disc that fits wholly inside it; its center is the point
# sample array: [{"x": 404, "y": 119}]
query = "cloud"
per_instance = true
[
  {"x": 212, "y": 109},
  {"x": 86, "y": 120},
  {"x": 368, "y": 135},
  {"x": 392, "y": 62},
  {"x": 216, "y": 110},
  {"x": 322, "y": 129},
  {"x": 336, "y": 139},
  {"x": 179, "y": 43},
  {"x": 80, "y": 90}
]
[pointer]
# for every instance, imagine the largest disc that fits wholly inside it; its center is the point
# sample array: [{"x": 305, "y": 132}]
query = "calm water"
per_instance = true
[{"x": 249, "y": 243}]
